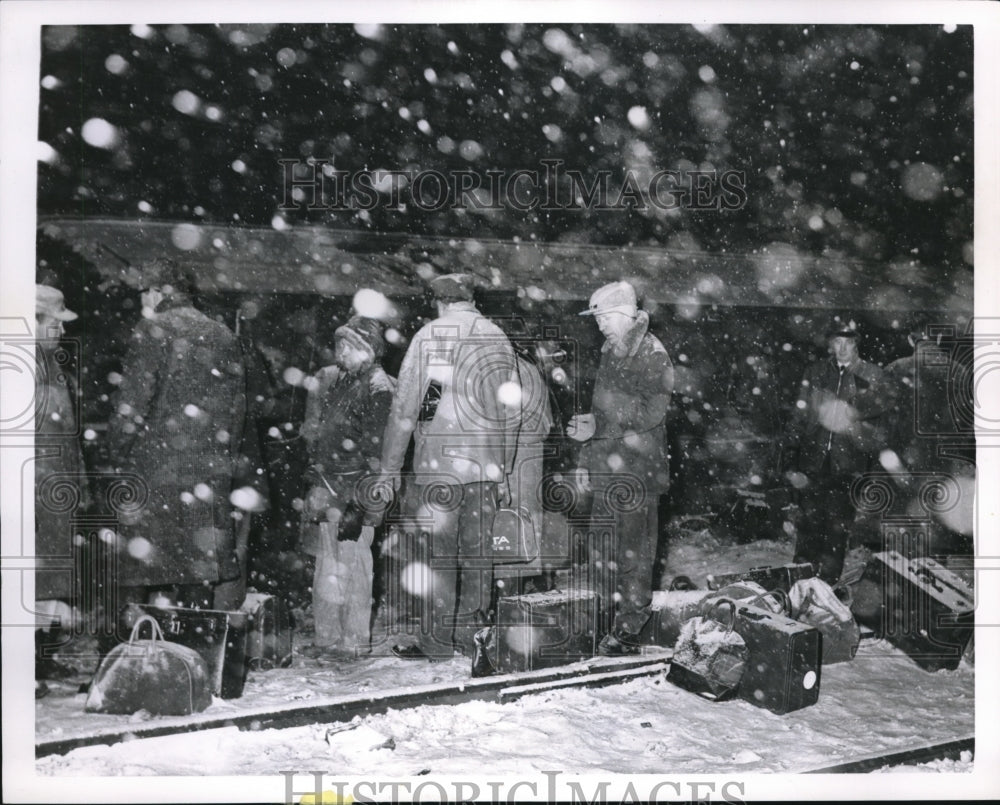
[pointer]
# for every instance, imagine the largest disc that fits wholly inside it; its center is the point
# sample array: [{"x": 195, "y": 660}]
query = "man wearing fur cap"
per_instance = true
[
  {"x": 624, "y": 460},
  {"x": 346, "y": 412}
]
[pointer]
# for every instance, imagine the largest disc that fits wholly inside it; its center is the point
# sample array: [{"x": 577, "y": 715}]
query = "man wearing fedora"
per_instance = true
[
  {"x": 59, "y": 469},
  {"x": 834, "y": 430},
  {"x": 624, "y": 459}
]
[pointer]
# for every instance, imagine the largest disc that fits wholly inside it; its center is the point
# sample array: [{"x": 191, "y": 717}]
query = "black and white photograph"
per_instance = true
[{"x": 523, "y": 402}]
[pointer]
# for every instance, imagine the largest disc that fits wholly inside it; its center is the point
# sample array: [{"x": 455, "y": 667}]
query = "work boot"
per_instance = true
[{"x": 611, "y": 646}]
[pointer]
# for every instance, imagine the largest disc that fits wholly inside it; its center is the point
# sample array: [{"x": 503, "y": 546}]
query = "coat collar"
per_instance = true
[{"x": 633, "y": 337}]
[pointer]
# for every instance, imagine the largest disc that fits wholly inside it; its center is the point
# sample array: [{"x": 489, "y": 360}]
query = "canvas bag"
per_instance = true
[
  {"x": 513, "y": 536},
  {"x": 154, "y": 675},
  {"x": 709, "y": 656},
  {"x": 815, "y": 602}
]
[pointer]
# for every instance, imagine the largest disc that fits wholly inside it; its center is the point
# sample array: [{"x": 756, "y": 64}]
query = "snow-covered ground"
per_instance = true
[{"x": 880, "y": 702}]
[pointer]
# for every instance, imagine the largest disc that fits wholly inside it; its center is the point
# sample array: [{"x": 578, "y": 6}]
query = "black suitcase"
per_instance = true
[
  {"x": 918, "y": 605},
  {"x": 219, "y": 637},
  {"x": 780, "y": 577},
  {"x": 269, "y": 632},
  {"x": 546, "y": 629},
  {"x": 783, "y": 672}
]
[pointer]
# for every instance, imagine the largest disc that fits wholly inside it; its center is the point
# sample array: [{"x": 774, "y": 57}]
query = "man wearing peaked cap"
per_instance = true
[
  {"x": 58, "y": 455},
  {"x": 454, "y": 287},
  {"x": 618, "y": 296},
  {"x": 463, "y": 456},
  {"x": 833, "y": 433},
  {"x": 49, "y": 301},
  {"x": 625, "y": 452}
]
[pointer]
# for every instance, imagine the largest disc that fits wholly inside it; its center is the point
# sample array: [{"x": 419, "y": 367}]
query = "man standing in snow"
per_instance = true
[
  {"x": 462, "y": 460},
  {"x": 177, "y": 423},
  {"x": 624, "y": 460},
  {"x": 60, "y": 474},
  {"x": 834, "y": 430},
  {"x": 346, "y": 414}
]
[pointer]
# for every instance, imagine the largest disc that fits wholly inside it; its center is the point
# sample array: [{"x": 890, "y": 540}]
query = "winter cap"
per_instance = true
[
  {"x": 839, "y": 327},
  {"x": 618, "y": 296},
  {"x": 453, "y": 287},
  {"x": 363, "y": 333},
  {"x": 162, "y": 271},
  {"x": 49, "y": 301}
]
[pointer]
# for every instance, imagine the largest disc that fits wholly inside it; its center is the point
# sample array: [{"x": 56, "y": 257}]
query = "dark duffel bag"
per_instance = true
[
  {"x": 220, "y": 637},
  {"x": 154, "y": 675}
]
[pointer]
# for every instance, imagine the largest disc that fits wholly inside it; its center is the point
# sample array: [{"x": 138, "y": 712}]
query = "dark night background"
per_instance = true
[{"x": 856, "y": 144}]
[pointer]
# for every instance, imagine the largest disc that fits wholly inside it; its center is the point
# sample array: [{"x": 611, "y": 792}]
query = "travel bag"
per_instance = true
[
  {"x": 154, "y": 675},
  {"x": 269, "y": 632},
  {"x": 710, "y": 658},
  {"x": 220, "y": 638},
  {"x": 779, "y": 577},
  {"x": 918, "y": 605},
  {"x": 545, "y": 629},
  {"x": 783, "y": 669}
]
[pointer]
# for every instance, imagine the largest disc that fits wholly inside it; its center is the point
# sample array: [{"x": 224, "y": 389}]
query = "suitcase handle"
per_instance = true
[
  {"x": 779, "y": 594},
  {"x": 156, "y": 633},
  {"x": 732, "y": 613}
]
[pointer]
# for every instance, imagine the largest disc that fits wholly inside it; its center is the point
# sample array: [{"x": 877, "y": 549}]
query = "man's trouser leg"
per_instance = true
[
  {"x": 827, "y": 516},
  {"x": 460, "y": 577},
  {"x": 625, "y": 568}
]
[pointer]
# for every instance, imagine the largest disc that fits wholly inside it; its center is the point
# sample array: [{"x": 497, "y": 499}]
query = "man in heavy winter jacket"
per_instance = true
[
  {"x": 624, "y": 460},
  {"x": 60, "y": 478},
  {"x": 834, "y": 430},
  {"x": 346, "y": 413},
  {"x": 177, "y": 425},
  {"x": 463, "y": 456}
]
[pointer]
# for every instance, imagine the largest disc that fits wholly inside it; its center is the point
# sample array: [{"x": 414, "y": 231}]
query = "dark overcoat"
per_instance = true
[
  {"x": 177, "y": 425},
  {"x": 61, "y": 489}
]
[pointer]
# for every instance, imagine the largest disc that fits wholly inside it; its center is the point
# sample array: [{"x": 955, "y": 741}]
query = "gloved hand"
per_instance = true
[
  {"x": 317, "y": 500},
  {"x": 581, "y": 427}
]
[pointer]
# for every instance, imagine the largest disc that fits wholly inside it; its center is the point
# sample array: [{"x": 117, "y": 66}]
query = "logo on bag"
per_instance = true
[{"x": 501, "y": 543}]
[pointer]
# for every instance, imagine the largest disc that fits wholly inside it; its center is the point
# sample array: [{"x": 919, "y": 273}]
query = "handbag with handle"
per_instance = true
[
  {"x": 155, "y": 675},
  {"x": 513, "y": 536},
  {"x": 710, "y": 657}
]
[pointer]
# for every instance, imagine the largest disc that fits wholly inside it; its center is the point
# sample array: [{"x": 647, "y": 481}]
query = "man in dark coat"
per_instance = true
[
  {"x": 624, "y": 460},
  {"x": 834, "y": 430},
  {"x": 346, "y": 414},
  {"x": 177, "y": 424},
  {"x": 60, "y": 481},
  {"x": 928, "y": 444}
]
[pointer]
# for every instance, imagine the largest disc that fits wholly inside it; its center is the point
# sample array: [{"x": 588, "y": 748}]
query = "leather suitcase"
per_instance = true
[
  {"x": 219, "y": 637},
  {"x": 780, "y": 577},
  {"x": 783, "y": 672},
  {"x": 545, "y": 629},
  {"x": 269, "y": 632},
  {"x": 918, "y": 605}
]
